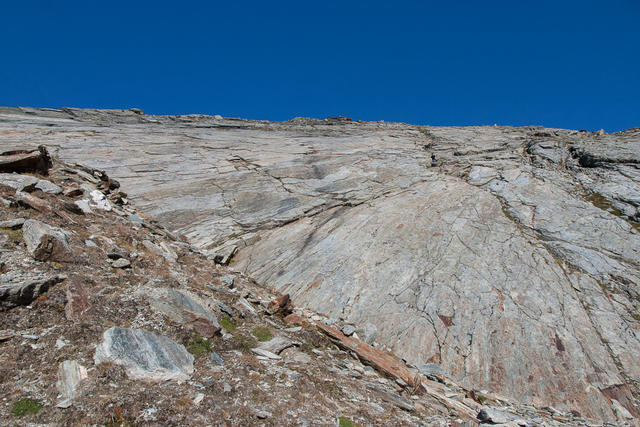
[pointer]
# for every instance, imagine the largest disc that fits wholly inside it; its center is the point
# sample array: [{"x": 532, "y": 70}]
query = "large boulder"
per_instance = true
[
  {"x": 46, "y": 243},
  {"x": 23, "y": 292},
  {"x": 21, "y": 161},
  {"x": 185, "y": 308},
  {"x": 145, "y": 355}
]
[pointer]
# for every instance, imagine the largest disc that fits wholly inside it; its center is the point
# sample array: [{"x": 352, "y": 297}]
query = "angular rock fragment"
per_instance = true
[
  {"x": 46, "y": 243},
  {"x": 265, "y": 353},
  {"x": 15, "y": 294},
  {"x": 22, "y": 161},
  {"x": 77, "y": 299},
  {"x": 223, "y": 256},
  {"x": 392, "y": 398},
  {"x": 245, "y": 307},
  {"x": 368, "y": 332},
  {"x": 33, "y": 202},
  {"x": 48, "y": 187},
  {"x": 281, "y": 305},
  {"x": 185, "y": 308},
  {"x": 121, "y": 263},
  {"x": 278, "y": 344},
  {"x": 100, "y": 201},
  {"x": 216, "y": 358},
  {"x": 495, "y": 416},
  {"x": 73, "y": 192},
  {"x": 145, "y": 355},
  {"x": 18, "y": 182},
  {"x": 164, "y": 252},
  {"x": 72, "y": 207},
  {"x": 83, "y": 205},
  {"x": 348, "y": 330},
  {"x": 70, "y": 375},
  {"x": 12, "y": 224},
  {"x": 228, "y": 280},
  {"x": 6, "y": 335}
]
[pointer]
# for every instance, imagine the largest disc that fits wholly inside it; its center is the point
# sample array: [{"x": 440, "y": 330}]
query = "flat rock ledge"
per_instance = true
[{"x": 145, "y": 355}]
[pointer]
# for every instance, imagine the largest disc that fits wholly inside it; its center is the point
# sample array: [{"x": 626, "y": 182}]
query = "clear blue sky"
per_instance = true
[{"x": 571, "y": 64}]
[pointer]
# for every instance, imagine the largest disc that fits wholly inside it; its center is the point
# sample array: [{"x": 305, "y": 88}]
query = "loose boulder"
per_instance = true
[
  {"x": 22, "y": 161},
  {"x": 185, "y": 308},
  {"x": 70, "y": 375},
  {"x": 24, "y": 292},
  {"x": 145, "y": 355},
  {"x": 18, "y": 182},
  {"x": 46, "y": 243}
]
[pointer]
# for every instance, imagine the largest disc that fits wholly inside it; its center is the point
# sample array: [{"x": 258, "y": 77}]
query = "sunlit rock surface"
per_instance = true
[{"x": 508, "y": 256}]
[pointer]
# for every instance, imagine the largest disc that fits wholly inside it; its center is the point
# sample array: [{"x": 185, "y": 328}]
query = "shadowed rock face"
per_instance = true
[{"x": 509, "y": 256}]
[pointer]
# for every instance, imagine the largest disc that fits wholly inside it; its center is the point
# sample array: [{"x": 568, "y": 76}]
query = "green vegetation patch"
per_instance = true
[
  {"x": 14, "y": 236},
  {"x": 345, "y": 422},
  {"x": 199, "y": 346},
  {"x": 244, "y": 343},
  {"x": 228, "y": 324},
  {"x": 26, "y": 406},
  {"x": 262, "y": 333},
  {"x": 599, "y": 201}
]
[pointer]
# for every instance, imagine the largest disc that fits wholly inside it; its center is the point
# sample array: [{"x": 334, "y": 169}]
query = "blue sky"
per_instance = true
[{"x": 570, "y": 64}]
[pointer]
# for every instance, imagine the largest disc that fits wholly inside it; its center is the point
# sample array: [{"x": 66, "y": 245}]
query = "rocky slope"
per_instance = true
[
  {"x": 507, "y": 256},
  {"x": 108, "y": 319}
]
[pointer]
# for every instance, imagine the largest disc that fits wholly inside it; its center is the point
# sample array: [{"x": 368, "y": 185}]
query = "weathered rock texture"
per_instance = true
[
  {"x": 145, "y": 355},
  {"x": 509, "y": 256}
]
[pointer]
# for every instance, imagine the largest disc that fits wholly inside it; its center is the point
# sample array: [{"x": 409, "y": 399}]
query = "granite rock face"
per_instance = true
[{"x": 508, "y": 256}]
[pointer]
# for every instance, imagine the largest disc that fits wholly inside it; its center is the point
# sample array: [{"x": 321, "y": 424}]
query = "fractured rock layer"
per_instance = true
[{"x": 508, "y": 256}]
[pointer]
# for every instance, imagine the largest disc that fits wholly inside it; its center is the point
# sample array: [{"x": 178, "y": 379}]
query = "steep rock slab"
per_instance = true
[
  {"x": 145, "y": 355},
  {"x": 447, "y": 278}
]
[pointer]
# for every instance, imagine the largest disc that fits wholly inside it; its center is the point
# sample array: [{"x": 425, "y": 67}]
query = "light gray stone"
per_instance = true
[
  {"x": 277, "y": 344},
  {"x": 368, "y": 332},
  {"x": 83, "y": 204},
  {"x": 46, "y": 243},
  {"x": 348, "y": 330},
  {"x": 70, "y": 375},
  {"x": 495, "y": 416},
  {"x": 216, "y": 358},
  {"x": 100, "y": 201},
  {"x": 18, "y": 182},
  {"x": 228, "y": 280},
  {"x": 265, "y": 353},
  {"x": 48, "y": 187},
  {"x": 145, "y": 355},
  {"x": 13, "y": 224},
  {"x": 121, "y": 263},
  {"x": 185, "y": 308}
]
